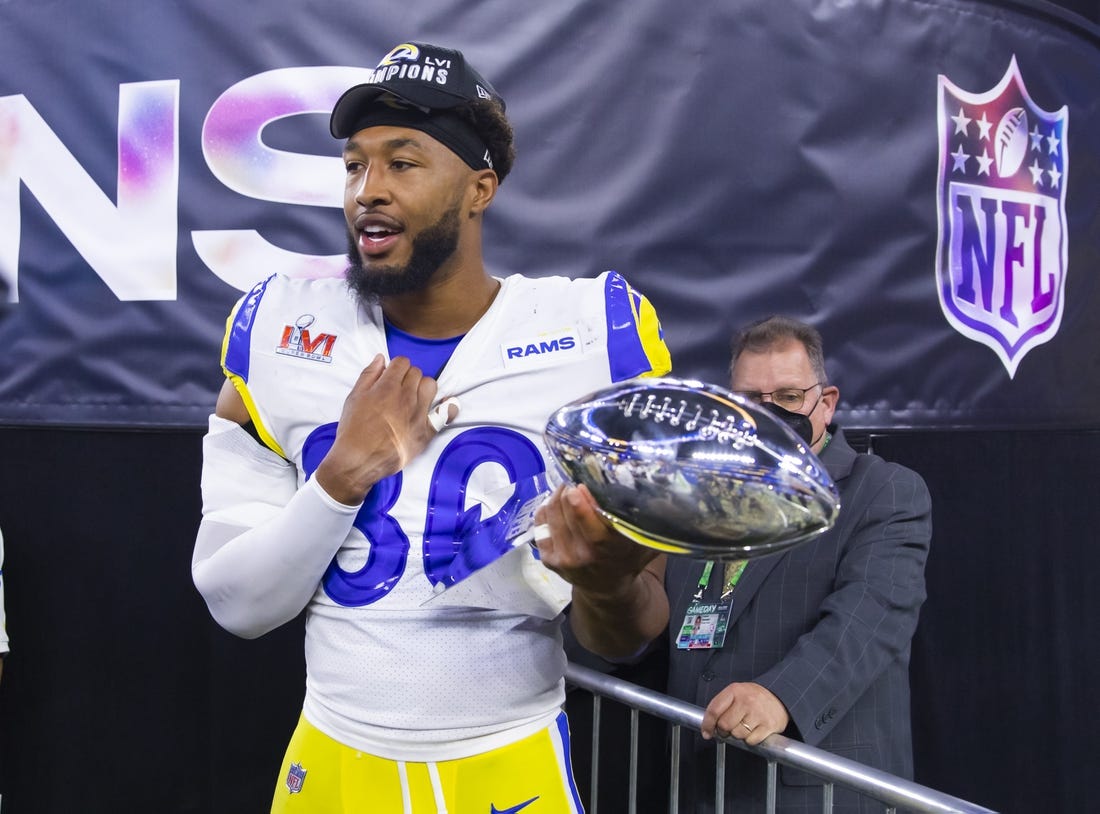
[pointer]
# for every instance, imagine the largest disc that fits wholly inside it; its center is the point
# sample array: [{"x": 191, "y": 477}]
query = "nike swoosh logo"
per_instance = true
[{"x": 494, "y": 810}]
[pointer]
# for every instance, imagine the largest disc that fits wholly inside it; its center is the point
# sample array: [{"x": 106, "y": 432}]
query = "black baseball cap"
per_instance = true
[{"x": 425, "y": 76}]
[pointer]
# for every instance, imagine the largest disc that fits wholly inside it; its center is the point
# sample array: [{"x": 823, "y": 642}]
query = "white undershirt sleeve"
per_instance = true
[{"x": 263, "y": 543}]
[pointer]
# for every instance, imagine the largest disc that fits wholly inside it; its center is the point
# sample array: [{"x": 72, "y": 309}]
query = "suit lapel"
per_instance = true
[
  {"x": 838, "y": 459},
  {"x": 751, "y": 579}
]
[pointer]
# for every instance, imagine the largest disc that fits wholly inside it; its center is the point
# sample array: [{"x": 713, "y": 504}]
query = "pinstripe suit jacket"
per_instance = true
[{"x": 827, "y": 627}]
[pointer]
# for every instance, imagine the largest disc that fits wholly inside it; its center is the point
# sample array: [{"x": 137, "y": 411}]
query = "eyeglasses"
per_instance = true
[{"x": 789, "y": 398}]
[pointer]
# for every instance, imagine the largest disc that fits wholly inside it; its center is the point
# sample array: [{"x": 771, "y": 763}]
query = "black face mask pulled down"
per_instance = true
[{"x": 796, "y": 421}]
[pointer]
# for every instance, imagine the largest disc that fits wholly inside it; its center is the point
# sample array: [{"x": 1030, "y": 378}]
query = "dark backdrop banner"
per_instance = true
[{"x": 918, "y": 178}]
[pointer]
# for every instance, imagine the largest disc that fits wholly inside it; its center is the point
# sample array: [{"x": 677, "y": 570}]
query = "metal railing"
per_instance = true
[{"x": 888, "y": 789}]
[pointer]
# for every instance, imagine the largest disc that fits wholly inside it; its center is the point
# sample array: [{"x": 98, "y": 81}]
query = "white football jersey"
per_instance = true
[{"x": 384, "y": 673}]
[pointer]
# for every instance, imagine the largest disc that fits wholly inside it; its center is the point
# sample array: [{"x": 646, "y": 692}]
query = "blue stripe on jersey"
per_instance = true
[
  {"x": 430, "y": 355},
  {"x": 238, "y": 341},
  {"x": 624, "y": 345}
]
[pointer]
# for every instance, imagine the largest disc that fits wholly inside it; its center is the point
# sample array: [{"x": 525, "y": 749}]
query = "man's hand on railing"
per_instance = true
[{"x": 745, "y": 711}]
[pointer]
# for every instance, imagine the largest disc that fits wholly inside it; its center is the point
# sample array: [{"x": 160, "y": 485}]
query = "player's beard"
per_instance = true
[{"x": 430, "y": 250}]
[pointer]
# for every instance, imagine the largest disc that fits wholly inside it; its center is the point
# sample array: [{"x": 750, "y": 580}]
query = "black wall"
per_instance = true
[
  {"x": 121, "y": 695},
  {"x": 1006, "y": 661}
]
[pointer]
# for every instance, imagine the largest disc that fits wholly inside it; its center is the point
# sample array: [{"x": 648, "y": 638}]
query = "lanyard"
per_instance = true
[{"x": 733, "y": 572}]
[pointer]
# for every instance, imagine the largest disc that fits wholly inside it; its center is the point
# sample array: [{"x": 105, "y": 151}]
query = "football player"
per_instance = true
[{"x": 373, "y": 437}]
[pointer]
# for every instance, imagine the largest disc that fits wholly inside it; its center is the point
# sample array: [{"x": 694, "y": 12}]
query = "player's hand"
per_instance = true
[
  {"x": 745, "y": 711},
  {"x": 583, "y": 548},
  {"x": 384, "y": 425}
]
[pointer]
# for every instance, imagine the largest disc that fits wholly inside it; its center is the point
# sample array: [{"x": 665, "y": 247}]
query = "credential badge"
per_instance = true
[{"x": 1003, "y": 243}]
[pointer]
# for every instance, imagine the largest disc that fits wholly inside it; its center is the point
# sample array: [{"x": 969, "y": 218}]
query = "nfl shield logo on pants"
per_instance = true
[
  {"x": 1003, "y": 243},
  {"x": 295, "y": 778}
]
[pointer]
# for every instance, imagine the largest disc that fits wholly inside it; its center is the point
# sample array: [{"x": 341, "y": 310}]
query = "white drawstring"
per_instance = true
[
  {"x": 406, "y": 798},
  {"x": 437, "y": 789}
]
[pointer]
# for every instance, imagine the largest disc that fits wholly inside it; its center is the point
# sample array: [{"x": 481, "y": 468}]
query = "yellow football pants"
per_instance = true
[{"x": 531, "y": 776}]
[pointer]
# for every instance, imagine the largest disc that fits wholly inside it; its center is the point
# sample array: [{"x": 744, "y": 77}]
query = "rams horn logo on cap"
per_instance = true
[{"x": 406, "y": 52}]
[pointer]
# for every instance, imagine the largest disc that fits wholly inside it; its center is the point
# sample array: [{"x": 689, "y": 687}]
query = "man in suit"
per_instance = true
[{"x": 818, "y": 641}]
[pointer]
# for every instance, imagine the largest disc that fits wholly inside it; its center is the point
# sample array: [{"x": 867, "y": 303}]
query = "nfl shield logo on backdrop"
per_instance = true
[
  {"x": 1001, "y": 259},
  {"x": 295, "y": 778}
]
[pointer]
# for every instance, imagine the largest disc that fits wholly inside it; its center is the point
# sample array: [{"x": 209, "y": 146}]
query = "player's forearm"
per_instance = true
[
  {"x": 257, "y": 579},
  {"x": 618, "y": 626},
  {"x": 348, "y": 479}
]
